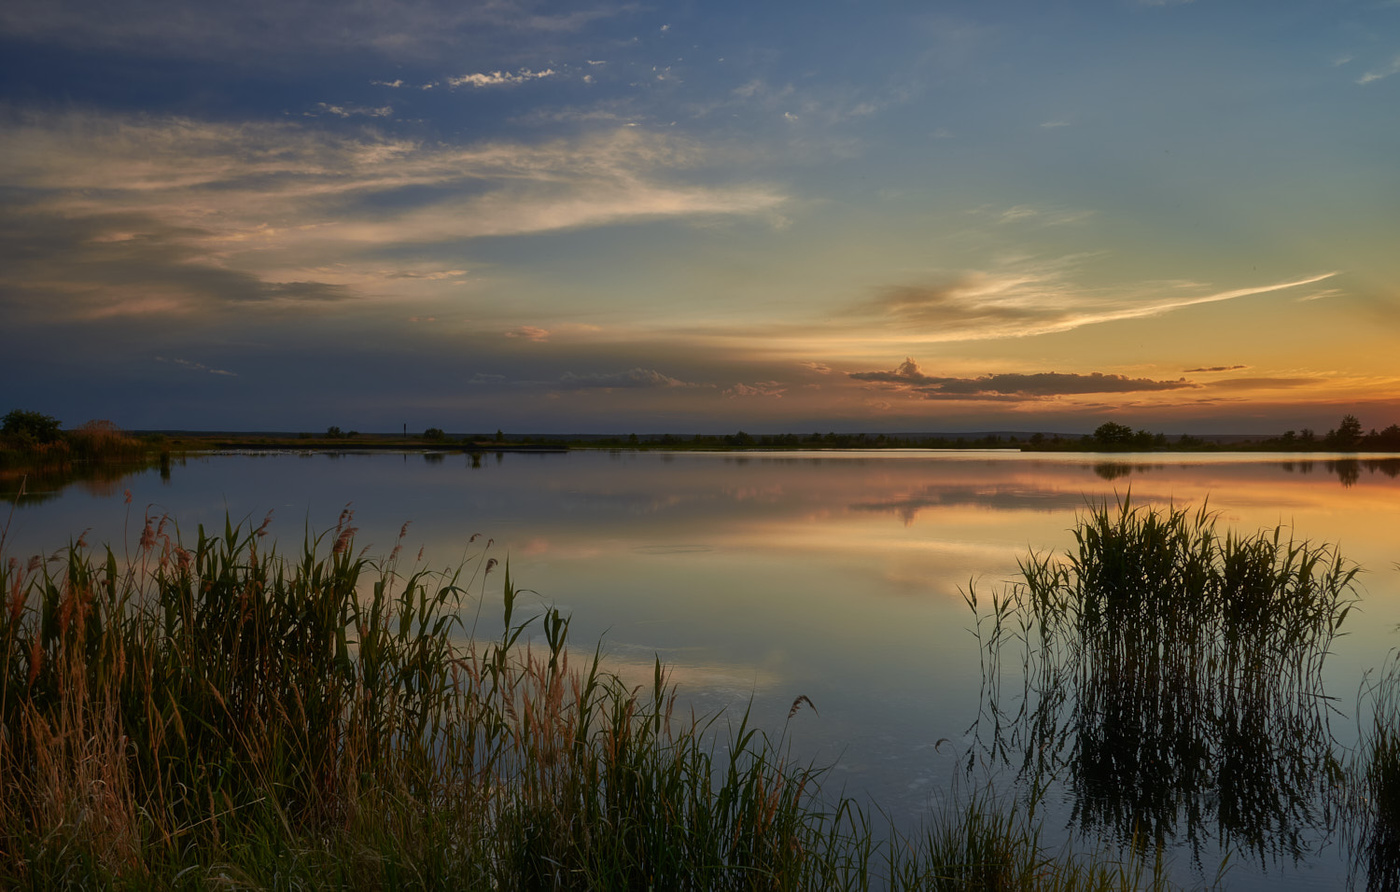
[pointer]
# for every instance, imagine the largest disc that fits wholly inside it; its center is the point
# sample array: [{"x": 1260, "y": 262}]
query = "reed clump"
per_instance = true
[
  {"x": 1173, "y": 677},
  {"x": 984, "y": 842}
]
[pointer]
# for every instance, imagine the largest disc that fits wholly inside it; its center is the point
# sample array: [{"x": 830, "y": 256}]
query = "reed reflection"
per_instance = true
[
  {"x": 1173, "y": 680},
  {"x": 103, "y": 479},
  {"x": 1373, "y": 809}
]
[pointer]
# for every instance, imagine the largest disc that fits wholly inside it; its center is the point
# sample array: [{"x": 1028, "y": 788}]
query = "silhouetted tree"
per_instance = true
[
  {"x": 1113, "y": 435},
  {"x": 32, "y": 427},
  {"x": 1347, "y": 435}
]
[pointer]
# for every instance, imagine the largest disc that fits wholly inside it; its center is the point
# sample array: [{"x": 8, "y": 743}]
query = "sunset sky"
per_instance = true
[{"x": 684, "y": 217}]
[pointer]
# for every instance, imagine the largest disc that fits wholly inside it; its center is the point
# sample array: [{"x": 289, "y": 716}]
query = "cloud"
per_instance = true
[
  {"x": 197, "y": 366},
  {"x": 529, "y": 333},
  {"x": 1216, "y": 368},
  {"x": 820, "y": 368},
  {"x": 350, "y": 111},
  {"x": 295, "y": 28},
  {"x": 1381, "y": 73},
  {"x": 1024, "y": 213},
  {"x": 632, "y": 378},
  {"x": 761, "y": 388},
  {"x": 1024, "y": 301},
  {"x": 317, "y": 291},
  {"x": 1261, "y": 383},
  {"x": 499, "y": 78},
  {"x": 113, "y": 214},
  {"x": 434, "y": 276},
  {"x": 1010, "y": 387}
]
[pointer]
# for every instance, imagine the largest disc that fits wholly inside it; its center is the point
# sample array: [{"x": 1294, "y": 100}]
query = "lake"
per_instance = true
[{"x": 758, "y": 577}]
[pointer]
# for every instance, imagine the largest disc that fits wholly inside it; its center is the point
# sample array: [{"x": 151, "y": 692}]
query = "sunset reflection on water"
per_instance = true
[{"x": 760, "y": 577}]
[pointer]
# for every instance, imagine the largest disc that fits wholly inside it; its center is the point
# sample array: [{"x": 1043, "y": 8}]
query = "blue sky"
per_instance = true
[{"x": 701, "y": 217}]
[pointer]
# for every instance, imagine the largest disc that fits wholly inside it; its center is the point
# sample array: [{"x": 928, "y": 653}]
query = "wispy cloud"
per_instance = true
[
  {"x": 1381, "y": 73},
  {"x": 499, "y": 78},
  {"x": 529, "y": 333},
  {"x": 351, "y": 111},
  {"x": 773, "y": 389},
  {"x": 1216, "y": 368},
  {"x": 1024, "y": 213},
  {"x": 196, "y": 366},
  {"x": 632, "y": 378},
  {"x": 415, "y": 28},
  {"x": 1030, "y": 300},
  {"x": 1009, "y": 387},
  {"x": 144, "y": 215},
  {"x": 1263, "y": 383}
]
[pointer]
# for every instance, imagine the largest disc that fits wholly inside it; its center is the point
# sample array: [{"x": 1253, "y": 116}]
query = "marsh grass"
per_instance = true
[
  {"x": 1172, "y": 677},
  {"x": 983, "y": 841},
  {"x": 219, "y": 714}
]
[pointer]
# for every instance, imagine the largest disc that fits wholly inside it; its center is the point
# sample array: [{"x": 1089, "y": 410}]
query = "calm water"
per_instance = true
[{"x": 760, "y": 577}]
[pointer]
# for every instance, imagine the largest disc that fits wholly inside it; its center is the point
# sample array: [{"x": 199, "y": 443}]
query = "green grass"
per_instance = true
[{"x": 219, "y": 714}]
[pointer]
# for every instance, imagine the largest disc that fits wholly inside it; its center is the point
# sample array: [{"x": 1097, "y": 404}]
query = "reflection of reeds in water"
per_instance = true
[
  {"x": 1176, "y": 674},
  {"x": 1374, "y": 807}
]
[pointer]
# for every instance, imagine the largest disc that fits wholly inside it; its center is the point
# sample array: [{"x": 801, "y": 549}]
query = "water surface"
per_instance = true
[{"x": 758, "y": 577}]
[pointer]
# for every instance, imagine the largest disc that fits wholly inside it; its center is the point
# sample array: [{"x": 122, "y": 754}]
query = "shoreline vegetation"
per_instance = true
[
  {"x": 30, "y": 440},
  {"x": 216, "y": 713},
  {"x": 186, "y": 714}
]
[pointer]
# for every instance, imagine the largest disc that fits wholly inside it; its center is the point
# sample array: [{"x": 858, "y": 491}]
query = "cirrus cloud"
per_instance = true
[{"x": 1032, "y": 299}]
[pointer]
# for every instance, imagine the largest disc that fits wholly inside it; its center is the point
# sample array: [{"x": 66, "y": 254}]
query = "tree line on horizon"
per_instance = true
[{"x": 26, "y": 433}]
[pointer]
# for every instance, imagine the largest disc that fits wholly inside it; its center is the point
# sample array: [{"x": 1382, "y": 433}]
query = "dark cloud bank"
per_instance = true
[{"x": 1009, "y": 387}]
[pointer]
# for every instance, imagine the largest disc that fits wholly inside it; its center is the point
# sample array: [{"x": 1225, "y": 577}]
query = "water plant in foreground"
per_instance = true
[
  {"x": 1173, "y": 678},
  {"x": 221, "y": 714}
]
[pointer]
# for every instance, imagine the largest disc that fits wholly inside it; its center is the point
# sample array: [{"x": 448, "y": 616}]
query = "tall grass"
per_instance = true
[
  {"x": 94, "y": 441},
  {"x": 1173, "y": 677},
  {"x": 221, "y": 714},
  {"x": 222, "y": 704}
]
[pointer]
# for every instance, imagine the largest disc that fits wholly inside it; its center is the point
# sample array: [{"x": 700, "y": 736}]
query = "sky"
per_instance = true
[{"x": 683, "y": 217}]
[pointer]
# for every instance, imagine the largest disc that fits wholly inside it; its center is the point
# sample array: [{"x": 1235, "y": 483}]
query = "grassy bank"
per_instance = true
[{"x": 213, "y": 712}]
